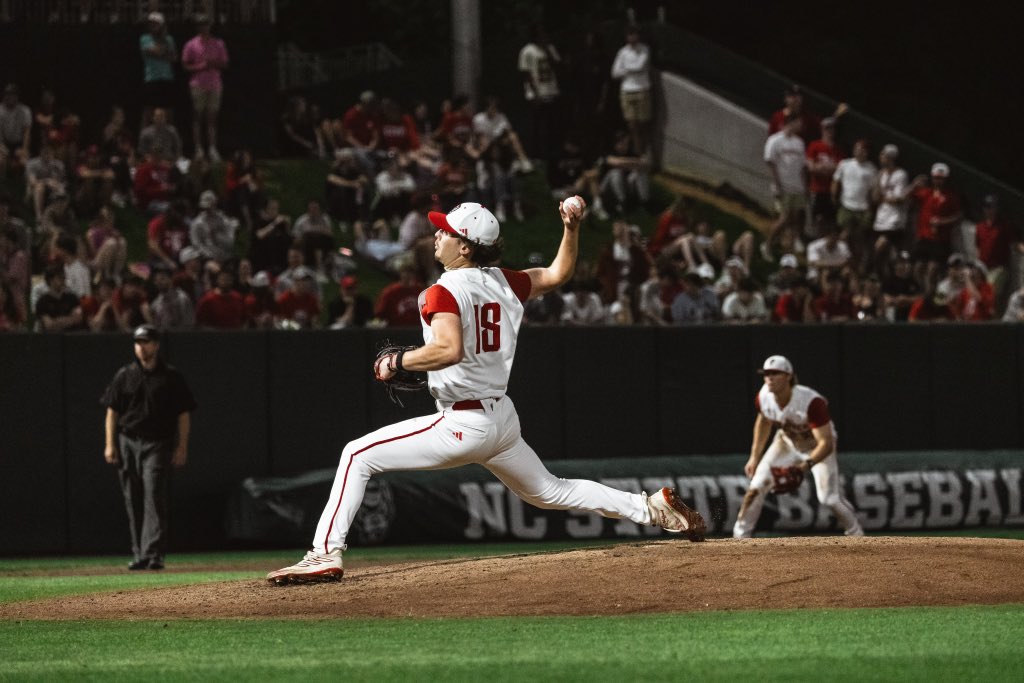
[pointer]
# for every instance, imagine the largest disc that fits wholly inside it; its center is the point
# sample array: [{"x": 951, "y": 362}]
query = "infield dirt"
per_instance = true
[{"x": 656, "y": 576}]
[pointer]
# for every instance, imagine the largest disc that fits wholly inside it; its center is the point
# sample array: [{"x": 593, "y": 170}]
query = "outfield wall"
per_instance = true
[{"x": 281, "y": 403}]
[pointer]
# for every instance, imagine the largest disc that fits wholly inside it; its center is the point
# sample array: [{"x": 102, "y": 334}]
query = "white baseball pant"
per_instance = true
[
  {"x": 826, "y": 483},
  {"x": 489, "y": 436}
]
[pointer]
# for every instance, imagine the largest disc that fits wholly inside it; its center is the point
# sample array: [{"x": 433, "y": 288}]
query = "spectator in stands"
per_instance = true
[
  {"x": 204, "y": 57},
  {"x": 653, "y": 302},
  {"x": 398, "y": 136},
  {"x": 118, "y": 149},
  {"x": 105, "y": 246},
  {"x": 315, "y": 232},
  {"x": 77, "y": 277},
  {"x": 397, "y": 303},
  {"x": 733, "y": 273},
  {"x": 454, "y": 181},
  {"x": 172, "y": 308},
  {"x": 350, "y": 308},
  {"x": 298, "y": 130},
  {"x": 573, "y": 172},
  {"x": 268, "y": 248},
  {"x": 673, "y": 223},
  {"x": 538, "y": 68},
  {"x": 15, "y": 131},
  {"x": 696, "y": 304},
  {"x": 58, "y": 217},
  {"x": 58, "y": 310},
  {"x": 501, "y": 156},
  {"x": 296, "y": 267},
  {"x": 582, "y": 305},
  {"x": 834, "y": 304},
  {"x": 976, "y": 301},
  {"x": 394, "y": 188},
  {"x": 211, "y": 232},
  {"x": 360, "y": 130},
  {"x": 632, "y": 66},
  {"x": 889, "y": 193},
  {"x": 45, "y": 176},
  {"x": 8, "y": 220},
  {"x": 166, "y": 235},
  {"x": 221, "y": 308},
  {"x": 823, "y": 156},
  {"x": 868, "y": 300},
  {"x": 900, "y": 289},
  {"x": 830, "y": 252},
  {"x": 622, "y": 263},
  {"x": 244, "y": 187},
  {"x": 15, "y": 269},
  {"x": 299, "y": 306},
  {"x": 589, "y": 87},
  {"x": 260, "y": 303},
  {"x": 939, "y": 213},
  {"x": 625, "y": 177},
  {"x": 851, "y": 191},
  {"x": 745, "y": 304},
  {"x": 794, "y": 305},
  {"x": 98, "y": 309},
  {"x": 931, "y": 306},
  {"x": 347, "y": 190},
  {"x": 131, "y": 302},
  {"x": 11, "y": 319},
  {"x": 189, "y": 278},
  {"x": 95, "y": 182},
  {"x": 159, "y": 55},
  {"x": 996, "y": 240},
  {"x": 785, "y": 155},
  {"x": 956, "y": 277},
  {"x": 160, "y": 137},
  {"x": 155, "y": 183},
  {"x": 707, "y": 245},
  {"x": 1015, "y": 308},
  {"x": 810, "y": 129}
]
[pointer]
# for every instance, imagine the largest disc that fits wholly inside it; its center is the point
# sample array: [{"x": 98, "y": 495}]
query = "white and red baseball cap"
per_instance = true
[
  {"x": 776, "y": 364},
  {"x": 469, "y": 220}
]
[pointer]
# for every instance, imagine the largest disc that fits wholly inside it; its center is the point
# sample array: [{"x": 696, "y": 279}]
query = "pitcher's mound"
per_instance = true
[{"x": 657, "y": 576}]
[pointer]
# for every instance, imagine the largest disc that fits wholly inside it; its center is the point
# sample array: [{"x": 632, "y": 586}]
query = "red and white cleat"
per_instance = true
[
  {"x": 670, "y": 513},
  {"x": 314, "y": 568}
]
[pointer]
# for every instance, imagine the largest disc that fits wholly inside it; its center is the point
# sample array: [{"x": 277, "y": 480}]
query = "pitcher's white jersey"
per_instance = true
[
  {"x": 806, "y": 410},
  {"x": 489, "y": 302}
]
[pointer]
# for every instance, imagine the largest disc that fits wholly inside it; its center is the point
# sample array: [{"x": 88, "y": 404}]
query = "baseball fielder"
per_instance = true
[
  {"x": 806, "y": 439},
  {"x": 470, "y": 323}
]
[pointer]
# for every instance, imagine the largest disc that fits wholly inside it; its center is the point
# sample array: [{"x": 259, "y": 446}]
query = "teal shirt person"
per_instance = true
[{"x": 154, "y": 68}]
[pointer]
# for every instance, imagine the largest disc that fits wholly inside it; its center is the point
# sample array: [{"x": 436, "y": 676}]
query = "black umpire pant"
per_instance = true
[{"x": 145, "y": 475}]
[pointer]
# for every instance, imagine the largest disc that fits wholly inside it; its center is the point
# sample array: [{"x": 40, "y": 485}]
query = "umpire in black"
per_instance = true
[{"x": 148, "y": 411}]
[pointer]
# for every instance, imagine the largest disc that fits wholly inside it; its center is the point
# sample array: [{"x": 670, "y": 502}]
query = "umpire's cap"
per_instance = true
[{"x": 146, "y": 333}]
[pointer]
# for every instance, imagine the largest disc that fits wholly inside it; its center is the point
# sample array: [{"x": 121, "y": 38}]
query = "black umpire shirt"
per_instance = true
[{"x": 148, "y": 402}]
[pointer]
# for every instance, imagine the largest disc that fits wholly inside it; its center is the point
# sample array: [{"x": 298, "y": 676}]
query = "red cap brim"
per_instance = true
[{"x": 440, "y": 220}]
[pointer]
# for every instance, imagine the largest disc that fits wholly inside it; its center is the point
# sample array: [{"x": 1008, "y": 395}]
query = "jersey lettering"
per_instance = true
[{"x": 488, "y": 327}]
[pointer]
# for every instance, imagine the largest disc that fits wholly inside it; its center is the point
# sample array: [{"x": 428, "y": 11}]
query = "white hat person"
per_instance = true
[
  {"x": 776, "y": 364},
  {"x": 469, "y": 220}
]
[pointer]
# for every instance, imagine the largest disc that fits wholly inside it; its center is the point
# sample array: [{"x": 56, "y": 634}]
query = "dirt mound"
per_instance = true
[{"x": 661, "y": 576}]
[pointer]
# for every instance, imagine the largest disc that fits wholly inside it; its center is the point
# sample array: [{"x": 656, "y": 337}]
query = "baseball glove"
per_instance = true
[
  {"x": 787, "y": 479},
  {"x": 402, "y": 380}
]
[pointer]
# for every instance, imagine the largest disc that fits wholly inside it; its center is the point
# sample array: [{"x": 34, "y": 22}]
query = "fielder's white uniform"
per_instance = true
[
  {"x": 793, "y": 444},
  {"x": 476, "y": 422}
]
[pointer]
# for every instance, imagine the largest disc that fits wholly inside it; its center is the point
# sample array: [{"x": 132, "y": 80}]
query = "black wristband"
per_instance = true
[{"x": 398, "y": 360}]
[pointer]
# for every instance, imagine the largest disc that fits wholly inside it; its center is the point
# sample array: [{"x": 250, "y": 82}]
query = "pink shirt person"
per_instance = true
[{"x": 205, "y": 56}]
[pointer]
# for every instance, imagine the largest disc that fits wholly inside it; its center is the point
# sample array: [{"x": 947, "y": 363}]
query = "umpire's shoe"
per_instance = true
[
  {"x": 670, "y": 513},
  {"x": 314, "y": 568}
]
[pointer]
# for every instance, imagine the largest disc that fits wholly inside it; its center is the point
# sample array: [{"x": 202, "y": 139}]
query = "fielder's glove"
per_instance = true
[
  {"x": 787, "y": 479},
  {"x": 402, "y": 379}
]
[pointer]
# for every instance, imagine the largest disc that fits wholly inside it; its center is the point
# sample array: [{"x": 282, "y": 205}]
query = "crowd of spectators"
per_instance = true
[{"x": 230, "y": 258}]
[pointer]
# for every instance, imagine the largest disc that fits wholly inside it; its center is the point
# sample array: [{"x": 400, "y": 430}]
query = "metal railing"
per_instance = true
[
  {"x": 106, "y": 12},
  {"x": 298, "y": 69}
]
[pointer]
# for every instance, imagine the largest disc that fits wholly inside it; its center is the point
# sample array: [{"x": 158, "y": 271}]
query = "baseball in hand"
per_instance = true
[{"x": 572, "y": 206}]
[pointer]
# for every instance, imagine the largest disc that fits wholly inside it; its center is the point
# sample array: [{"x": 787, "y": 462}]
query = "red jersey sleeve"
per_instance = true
[
  {"x": 817, "y": 413},
  {"x": 519, "y": 282},
  {"x": 155, "y": 227},
  {"x": 757, "y": 401},
  {"x": 437, "y": 299}
]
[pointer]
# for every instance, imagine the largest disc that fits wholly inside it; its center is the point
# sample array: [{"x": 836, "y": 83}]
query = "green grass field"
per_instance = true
[{"x": 911, "y": 644}]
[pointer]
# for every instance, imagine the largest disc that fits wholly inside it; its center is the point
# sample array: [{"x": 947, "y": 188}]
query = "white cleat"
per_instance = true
[
  {"x": 670, "y": 513},
  {"x": 314, "y": 568}
]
